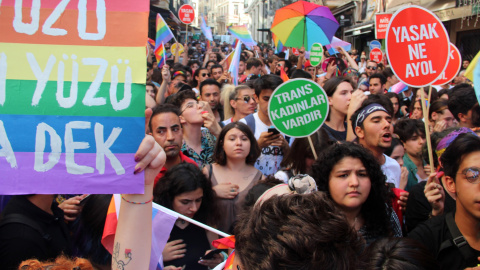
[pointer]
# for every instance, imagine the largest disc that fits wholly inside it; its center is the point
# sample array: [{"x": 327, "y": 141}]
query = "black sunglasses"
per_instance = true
[
  {"x": 370, "y": 67},
  {"x": 246, "y": 99},
  {"x": 205, "y": 75}
]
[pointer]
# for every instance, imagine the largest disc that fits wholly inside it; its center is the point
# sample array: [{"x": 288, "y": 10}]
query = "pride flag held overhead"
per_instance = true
[
  {"x": 164, "y": 34},
  {"x": 207, "y": 32},
  {"x": 241, "y": 33},
  {"x": 233, "y": 69},
  {"x": 160, "y": 55}
]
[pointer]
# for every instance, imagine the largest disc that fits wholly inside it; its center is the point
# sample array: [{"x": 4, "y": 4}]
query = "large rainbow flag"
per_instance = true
[
  {"x": 72, "y": 96},
  {"x": 241, "y": 33}
]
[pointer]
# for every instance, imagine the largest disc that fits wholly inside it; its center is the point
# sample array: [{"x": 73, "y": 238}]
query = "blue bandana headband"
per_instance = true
[{"x": 365, "y": 112}]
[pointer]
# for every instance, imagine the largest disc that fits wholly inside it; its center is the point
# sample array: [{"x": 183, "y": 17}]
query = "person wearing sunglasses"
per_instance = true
[
  {"x": 199, "y": 76},
  {"x": 453, "y": 238},
  {"x": 239, "y": 102},
  {"x": 371, "y": 68}
]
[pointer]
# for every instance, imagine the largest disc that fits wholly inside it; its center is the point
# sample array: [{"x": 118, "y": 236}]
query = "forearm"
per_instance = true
[
  {"x": 160, "y": 98},
  {"x": 351, "y": 62},
  {"x": 134, "y": 232}
]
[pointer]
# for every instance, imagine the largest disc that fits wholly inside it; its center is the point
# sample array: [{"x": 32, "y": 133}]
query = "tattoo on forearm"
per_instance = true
[{"x": 120, "y": 264}]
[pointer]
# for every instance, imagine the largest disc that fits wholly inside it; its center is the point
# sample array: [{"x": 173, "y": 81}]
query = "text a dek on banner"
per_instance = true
[{"x": 72, "y": 95}]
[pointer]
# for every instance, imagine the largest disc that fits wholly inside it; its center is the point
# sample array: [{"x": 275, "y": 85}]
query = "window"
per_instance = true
[{"x": 235, "y": 10}]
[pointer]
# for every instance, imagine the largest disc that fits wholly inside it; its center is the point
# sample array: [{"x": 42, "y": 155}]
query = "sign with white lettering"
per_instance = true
[
  {"x": 417, "y": 46},
  {"x": 298, "y": 107},
  {"x": 453, "y": 67},
  {"x": 316, "y": 54},
  {"x": 186, "y": 14},
  {"x": 72, "y": 96},
  {"x": 381, "y": 24},
  {"x": 376, "y": 55}
]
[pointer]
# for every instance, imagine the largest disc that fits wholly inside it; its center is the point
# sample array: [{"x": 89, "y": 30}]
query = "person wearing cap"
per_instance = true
[
  {"x": 309, "y": 68},
  {"x": 372, "y": 123},
  {"x": 362, "y": 64}
]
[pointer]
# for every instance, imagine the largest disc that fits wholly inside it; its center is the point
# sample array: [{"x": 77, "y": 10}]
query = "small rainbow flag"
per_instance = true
[
  {"x": 164, "y": 34},
  {"x": 233, "y": 69},
  {"x": 163, "y": 221},
  {"x": 283, "y": 75},
  {"x": 241, "y": 32},
  {"x": 160, "y": 55},
  {"x": 209, "y": 44},
  {"x": 229, "y": 59}
]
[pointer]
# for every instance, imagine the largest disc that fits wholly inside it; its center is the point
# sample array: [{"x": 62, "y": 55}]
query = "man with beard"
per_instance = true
[
  {"x": 372, "y": 123},
  {"x": 412, "y": 134},
  {"x": 165, "y": 127},
  {"x": 210, "y": 92}
]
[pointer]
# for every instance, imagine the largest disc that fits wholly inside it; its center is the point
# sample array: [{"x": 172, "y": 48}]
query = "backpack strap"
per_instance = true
[
  {"x": 25, "y": 220},
  {"x": 250, "y": 122},
  {"x": 457, "y": 238}
]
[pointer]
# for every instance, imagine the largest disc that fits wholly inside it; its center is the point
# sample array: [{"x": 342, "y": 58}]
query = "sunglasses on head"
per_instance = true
[
  {"x": 246, "y": 99},
  {"x": 370, "y": 67}
]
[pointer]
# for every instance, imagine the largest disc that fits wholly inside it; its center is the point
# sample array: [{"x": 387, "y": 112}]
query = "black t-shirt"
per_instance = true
[
  {"x": 432, "y": 234},
  {"x": 418, "y": 207},
  {"x": 335, "y": 135},
  {"x": 197, "y": 244},
  {"x": 19, "y": 242}
]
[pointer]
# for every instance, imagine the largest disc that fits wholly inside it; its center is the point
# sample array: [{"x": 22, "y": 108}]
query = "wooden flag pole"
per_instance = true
[
  {"x": 313, "y": 148},
  {"x": 427, "y": 131},
  {"x": 186, "y": 35}
]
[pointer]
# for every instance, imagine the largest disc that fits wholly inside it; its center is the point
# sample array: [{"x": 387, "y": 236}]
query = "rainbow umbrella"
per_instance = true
[{"x": 304, "y": 23}]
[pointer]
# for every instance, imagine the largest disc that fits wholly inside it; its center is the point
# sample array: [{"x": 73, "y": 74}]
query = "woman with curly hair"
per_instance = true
[
  {"x": 354, "y": 181},
  {"x": 185, "y": 190}
]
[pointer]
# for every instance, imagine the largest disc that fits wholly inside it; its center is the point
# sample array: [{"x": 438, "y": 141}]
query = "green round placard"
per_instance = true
[
  {"x": 316, "y": 54},
  {"x": 298, "y": 107}
]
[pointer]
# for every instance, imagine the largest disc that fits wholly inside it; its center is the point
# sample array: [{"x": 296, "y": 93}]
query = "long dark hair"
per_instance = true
[
  {"x": 331, "y": 85},
  {"x": 219, "y": 155},
  {"x": 374, "y": 211},
  {"x": 186, "y": 177}
]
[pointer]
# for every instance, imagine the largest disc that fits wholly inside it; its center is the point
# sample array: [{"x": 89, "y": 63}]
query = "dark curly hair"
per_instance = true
[
  {"x": 375, "y": 211},
  {"x": 186, "y": 177},
  {"x": 219, "y": 155},
  {"x": 296, "y": 232}
]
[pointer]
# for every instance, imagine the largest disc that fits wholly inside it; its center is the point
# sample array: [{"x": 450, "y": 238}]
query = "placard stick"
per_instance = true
[
  {"x": 186, "y": 35},
  {"x": 427, "y": 131},
  {"x": 315, "y": 74},
  {"x": 429, "y": 96},
  {"x": 313, "y": 148}
]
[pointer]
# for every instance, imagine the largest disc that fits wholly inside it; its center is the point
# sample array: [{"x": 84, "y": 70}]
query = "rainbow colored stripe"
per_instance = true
[
  {"x": 78, "y": 89},
  {"x": 241, "y": 32},
  {"x": 164, "y": 34},
  {"x": 160, "y": 55}
]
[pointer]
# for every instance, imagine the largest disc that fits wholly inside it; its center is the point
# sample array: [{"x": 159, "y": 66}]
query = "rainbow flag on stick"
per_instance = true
[
  {"x": 164, "y": 34},
  {"x": 241, "y": 33},
  {"x": 160, "y": 55}
]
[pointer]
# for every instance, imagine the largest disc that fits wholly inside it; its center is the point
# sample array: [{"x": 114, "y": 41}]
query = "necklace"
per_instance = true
[{"x": 246, "y": 177}]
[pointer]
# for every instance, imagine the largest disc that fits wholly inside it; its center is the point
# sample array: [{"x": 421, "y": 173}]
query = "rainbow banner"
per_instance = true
[
  {"x": 241, "y": 33},
  {"x": 72, "y": 96}
]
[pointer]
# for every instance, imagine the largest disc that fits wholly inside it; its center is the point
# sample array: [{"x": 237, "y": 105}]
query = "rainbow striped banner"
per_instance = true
[
  {"x": 160, "y": 55},
  {"x": 72, "y": 96}
]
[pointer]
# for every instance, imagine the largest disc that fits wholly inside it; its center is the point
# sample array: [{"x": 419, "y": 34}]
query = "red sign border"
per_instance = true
[
  {"x": 386, "y": 43},
  {"x": 193, "y": 19},
  {"x": 383, "y": 55},
  {"x": 458, "y": 69}
]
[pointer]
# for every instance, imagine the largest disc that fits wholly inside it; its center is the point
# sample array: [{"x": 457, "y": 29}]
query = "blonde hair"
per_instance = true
[
  {"x": 230, "y": 92},
  {"x": 60, "y": 263}
]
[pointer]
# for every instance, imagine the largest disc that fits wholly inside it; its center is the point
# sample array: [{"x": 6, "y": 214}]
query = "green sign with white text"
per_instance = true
[
  {"x": 298, "y": 107},
  {"x": 316, "y": 54}
]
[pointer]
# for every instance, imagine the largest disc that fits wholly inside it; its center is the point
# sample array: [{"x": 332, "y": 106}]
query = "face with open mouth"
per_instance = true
[{"x": 378, "y": 130}]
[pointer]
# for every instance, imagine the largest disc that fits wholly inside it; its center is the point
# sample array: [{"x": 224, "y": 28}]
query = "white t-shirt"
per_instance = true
[
  {"x": 269, "y": 161},
  {"x": 392, "y": 170}
]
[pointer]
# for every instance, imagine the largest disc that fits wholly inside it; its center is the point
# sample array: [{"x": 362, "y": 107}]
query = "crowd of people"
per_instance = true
[{"x": 362, "y": 195}]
